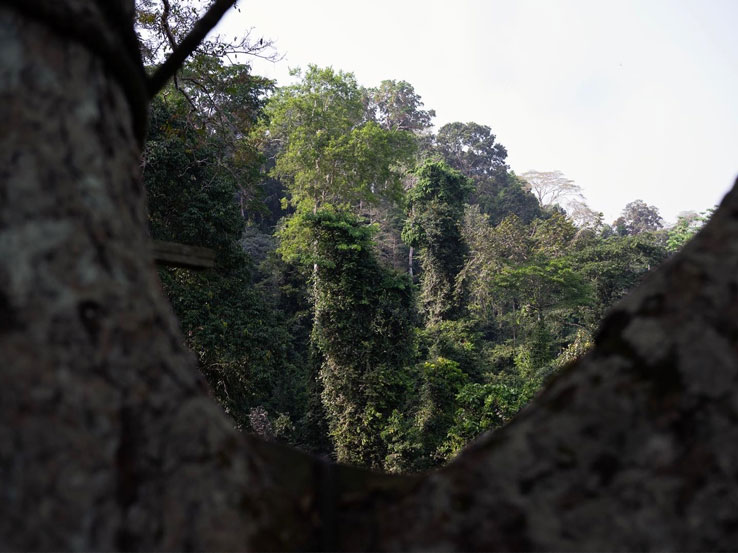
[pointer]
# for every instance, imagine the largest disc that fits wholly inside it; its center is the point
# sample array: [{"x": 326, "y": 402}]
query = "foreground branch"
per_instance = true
[{"x": 188, "y": 45}]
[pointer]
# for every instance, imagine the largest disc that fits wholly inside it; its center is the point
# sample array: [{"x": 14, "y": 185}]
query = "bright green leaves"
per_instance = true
[
  {"x": 305, "y": 238},
  {"x": 372, "y": 157},
  {"x": 331, "y": 152},
  {"x": 438, "y": 183}
]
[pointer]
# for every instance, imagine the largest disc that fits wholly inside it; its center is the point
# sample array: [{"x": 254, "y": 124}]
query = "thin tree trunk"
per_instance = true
[{"x": 109, "y": 440}]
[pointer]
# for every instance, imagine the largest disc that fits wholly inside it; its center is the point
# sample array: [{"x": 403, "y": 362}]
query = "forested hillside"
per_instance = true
[
  {"x": 362, "y": 301},
  {"x": 384, "y": 290}
]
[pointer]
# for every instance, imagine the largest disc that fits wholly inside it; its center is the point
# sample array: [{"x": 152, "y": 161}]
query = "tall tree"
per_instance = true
[
  {"x": 110, "y": 441},
  {"x": 436, "y": 204},
  {"x": 364, "y": 321},
  {"x": 331, "y": 152},
  {"x": 332, "y": 155},
  {"x": 472, "y": 149}
]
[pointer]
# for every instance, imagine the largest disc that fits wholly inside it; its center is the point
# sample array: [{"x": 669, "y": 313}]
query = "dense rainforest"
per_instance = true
[
  {"x": 384, "y": 291},
  {"x": 112, "y": 438}
]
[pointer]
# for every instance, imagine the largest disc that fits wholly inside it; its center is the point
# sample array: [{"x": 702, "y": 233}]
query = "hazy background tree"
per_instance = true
[
  {"x": 638, "y": 217},
  {"x": 551, "y": 188}
]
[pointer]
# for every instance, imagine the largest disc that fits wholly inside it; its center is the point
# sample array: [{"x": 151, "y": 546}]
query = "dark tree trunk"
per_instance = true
[{"x": 110, "y": 441}]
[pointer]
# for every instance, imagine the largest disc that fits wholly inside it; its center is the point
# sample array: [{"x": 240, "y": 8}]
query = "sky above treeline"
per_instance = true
[{"x": 632, "y": 99}]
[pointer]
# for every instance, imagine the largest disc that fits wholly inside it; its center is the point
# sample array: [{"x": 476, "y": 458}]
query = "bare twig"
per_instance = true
[
  {"x": 204, "y": 25},
  {"x": 165, "y": 25},
  {"x": 173, "y": 45}
]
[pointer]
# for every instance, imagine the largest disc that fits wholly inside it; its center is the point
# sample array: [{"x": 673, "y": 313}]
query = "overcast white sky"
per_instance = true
[{"x": 632, "y": 99}]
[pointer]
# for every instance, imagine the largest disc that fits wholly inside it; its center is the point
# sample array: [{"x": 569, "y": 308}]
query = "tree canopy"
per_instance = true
[{"x": 332, "y": 152}]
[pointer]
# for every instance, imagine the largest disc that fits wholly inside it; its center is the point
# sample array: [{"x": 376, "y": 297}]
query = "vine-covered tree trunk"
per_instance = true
[{"x": 109, "y": 440}]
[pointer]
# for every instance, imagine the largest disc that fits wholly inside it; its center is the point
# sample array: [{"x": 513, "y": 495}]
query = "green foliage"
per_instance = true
[
  {"x": 685, "y": 229},
  {"x": 181, "y": 207},
  {"x": 458, "y": 341},
  {"x": 614, "y": 266},
  {"x": 363, "y": 328},
  {"x": 200, "y": 130},
  {"x": 396, "y": 106},
  {"x": 481, "y": 407},
  {"x": 331, "y": 152},
  {"x": 541, "y": 285},
  {"x": 505, "y": 195},
  {"x": 523, "y": 273},
  {"x": 441, "y": 381},
  {"x": 438, "y": 183},
  {"x": 436, "y": 204},
  {"x": 242, "y": 340},
  {"x": 537, "y": 292},
  {"x": 306, "y": 335},
  {"x": 581, "y": 344},
  {"x": 471, "y": 149},
  {"x": 553, "y": 236},
  {"x": 242, "y": 343}
]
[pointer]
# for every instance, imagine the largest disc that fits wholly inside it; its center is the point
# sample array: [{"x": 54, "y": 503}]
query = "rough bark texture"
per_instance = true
[
  {"x": 632, "y": 448},
  {"x": 110, "y": 441}
]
